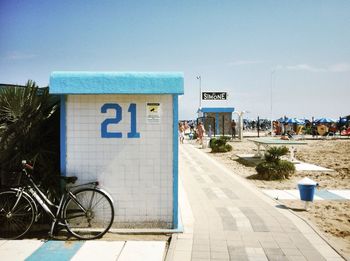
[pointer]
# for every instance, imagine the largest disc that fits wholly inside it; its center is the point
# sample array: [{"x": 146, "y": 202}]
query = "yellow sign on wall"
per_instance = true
[{"x": 153, "y": 112}]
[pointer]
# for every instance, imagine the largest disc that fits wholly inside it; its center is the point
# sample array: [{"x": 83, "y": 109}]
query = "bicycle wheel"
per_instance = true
[
  {"x": 16, "y": 214},
  {"x": 89, "y": 214}
]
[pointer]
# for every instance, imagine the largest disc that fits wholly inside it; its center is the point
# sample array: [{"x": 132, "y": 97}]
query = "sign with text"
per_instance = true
[
  {"x": 153, "y": 112},
  {"x": 214, "y": 95}
]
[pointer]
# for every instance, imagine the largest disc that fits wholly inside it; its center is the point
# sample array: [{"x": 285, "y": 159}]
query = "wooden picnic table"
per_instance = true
[{"x": 266, "y": 142}]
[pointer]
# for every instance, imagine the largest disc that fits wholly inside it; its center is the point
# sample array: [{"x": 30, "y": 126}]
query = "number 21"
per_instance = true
[{"x": 118, "y": 117}]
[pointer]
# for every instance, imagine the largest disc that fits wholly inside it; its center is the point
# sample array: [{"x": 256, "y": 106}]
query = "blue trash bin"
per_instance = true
[
  {"x": 306, "y": 188},
  {"x": 307, "y": 192}
]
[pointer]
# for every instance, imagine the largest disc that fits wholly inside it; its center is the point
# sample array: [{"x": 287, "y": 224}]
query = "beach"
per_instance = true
[{"x": 330, "y": 217}]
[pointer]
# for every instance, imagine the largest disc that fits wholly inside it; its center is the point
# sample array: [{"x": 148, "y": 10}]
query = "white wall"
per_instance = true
[{"x": 137, "y": 172}]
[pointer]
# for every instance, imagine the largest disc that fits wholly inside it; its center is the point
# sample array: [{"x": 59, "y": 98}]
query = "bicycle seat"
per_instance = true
[{"x": 71, "y": 179}]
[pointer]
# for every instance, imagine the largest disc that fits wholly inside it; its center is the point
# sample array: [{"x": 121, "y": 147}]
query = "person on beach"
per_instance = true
[
  {"x": 233, "y": 129},
  {"x": 181, "y": 132},
  {"x": 200, "y": 133}
]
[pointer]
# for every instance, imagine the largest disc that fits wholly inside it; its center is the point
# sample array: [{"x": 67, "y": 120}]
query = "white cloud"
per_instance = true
[
  {"x": 305, "y": 67},
  {"x": 244, "y": 62},
  {"x": 338, "y": 67}
]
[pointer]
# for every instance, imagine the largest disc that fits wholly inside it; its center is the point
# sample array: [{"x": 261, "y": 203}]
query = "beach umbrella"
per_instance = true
[
  {"x": 342, "y": 120},
  {"x": 282, "y": 119},
  {"x": 324, "y": 120},
  {"x": 304, "y": 120},
  {"x": 294, "y": 121}
]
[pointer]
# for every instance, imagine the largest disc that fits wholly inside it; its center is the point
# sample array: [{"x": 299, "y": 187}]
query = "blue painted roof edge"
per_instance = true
[
  {"x": 116, "y": 83},
  {"x": 217, "y": 109}
]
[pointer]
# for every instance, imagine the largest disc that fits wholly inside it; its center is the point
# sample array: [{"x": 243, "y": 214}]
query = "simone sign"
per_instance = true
[{"x": 214, "y": 95}]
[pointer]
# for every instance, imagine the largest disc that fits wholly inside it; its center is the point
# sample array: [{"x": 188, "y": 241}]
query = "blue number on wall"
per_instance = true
[
  {"x": 133, "y": 133},
  {"x": 118, "y": 117}
]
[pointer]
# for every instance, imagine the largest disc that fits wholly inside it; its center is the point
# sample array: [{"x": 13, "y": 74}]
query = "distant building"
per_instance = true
[{"x": 219, "y": 118}]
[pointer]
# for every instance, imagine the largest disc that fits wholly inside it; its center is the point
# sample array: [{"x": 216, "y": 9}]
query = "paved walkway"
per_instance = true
[
  {"x": 33, "y": 250},
  {"x": 227, "y": 218}
]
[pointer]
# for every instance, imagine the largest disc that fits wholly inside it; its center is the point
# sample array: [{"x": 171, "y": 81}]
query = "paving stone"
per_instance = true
[
  {"x": 274, "y": 252},
  {"x": 285, "y": 244},
  {"x": 218, "y": 236},
  {"x": 291, "y": 252},
  {"x": 296, "y": 258},
  {"x": 238, "y": 258},
  {"x": 275, "y": 228},
  {"x": 229, "y": 224},
  {"x": 276, "y": 258},
  {"x": 200, "y": 179},
  {"x": 197, "y": 236},
  {"x": 214, "y": 243},
  {"x": 215, "y": 179},
  {"x": 257, "y": 258},
  {"x": 312, "y": 255},
  {"x": 232, "y": 235},
  {"x": 182, "y": 255},
  {"x": 235, "y": 243},
  {"x": 223, "y": 212},
  {"x": 229, "y": 193},
  {"x": 222, "y": 248},
  {"x": 256, "y": 221},
  {"x": 281, "y": 237},
  {"x": 184, "y": 245},
  {"x": 200, "y": 254},
  {"x": 209, "y": 193},
  {"x": 219, "y": 255},
  {"x": 251, "y": 243},
  {"x": 199, "y": 248},
  {"x": 268, "y": 244}
]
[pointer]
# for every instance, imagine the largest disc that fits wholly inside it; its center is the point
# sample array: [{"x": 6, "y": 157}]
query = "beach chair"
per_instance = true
[
  {"x": 346, "y": 132},
  {"x": 322, "y": 130}
]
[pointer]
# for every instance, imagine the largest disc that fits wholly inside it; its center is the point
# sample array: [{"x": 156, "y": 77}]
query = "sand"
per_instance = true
[{"x": 331, "y": 218}]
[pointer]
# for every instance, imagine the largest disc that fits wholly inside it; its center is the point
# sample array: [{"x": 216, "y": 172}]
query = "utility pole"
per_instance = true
[
  {"x": 271, "y": 87},
  {"x": 200, "y": 91}
]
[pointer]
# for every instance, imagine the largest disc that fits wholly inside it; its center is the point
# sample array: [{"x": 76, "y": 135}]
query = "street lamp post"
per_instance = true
[
  {"x": 273, "y": 71},
  {"x": 200, "y": 91}
]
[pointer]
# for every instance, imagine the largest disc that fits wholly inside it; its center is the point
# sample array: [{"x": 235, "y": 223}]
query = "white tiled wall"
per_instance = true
[{"x": 137, "y": 172}]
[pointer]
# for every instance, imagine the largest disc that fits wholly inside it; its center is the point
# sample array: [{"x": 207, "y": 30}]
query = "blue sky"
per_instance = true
[{"x": 233, "y": 45}]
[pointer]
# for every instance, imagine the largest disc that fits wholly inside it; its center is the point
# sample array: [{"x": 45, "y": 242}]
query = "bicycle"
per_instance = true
[{"x": 86, "y": 211}]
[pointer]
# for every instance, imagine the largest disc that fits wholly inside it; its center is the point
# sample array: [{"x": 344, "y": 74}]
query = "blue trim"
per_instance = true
[
  {"x": 116, "y": 83},
  {"x": 56, "y": 251},
  {"x": 175, "y": 162},
  {"x": 180, "y": 226},
  {"x": 217, "y": 109},
  {"x": 217, "y": 123},
  {"x": 63, "y": 135}
]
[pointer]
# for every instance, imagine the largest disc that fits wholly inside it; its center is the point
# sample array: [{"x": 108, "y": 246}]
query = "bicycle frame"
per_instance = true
[
  {"x": 38, "y": 197},
  {"x": 21, "y": 191}
]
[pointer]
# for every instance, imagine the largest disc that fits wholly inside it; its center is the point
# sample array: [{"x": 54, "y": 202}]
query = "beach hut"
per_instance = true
[
  {"x": 120, "y": 128},
  {"x": 222, "y": 117}
]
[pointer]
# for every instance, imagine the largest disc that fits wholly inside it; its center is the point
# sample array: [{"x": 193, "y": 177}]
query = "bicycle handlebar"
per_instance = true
[{"x": 26, "y": 165}]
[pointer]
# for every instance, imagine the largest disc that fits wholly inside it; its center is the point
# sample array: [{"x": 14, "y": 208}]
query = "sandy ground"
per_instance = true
[{"x": 331, "y": 218}]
